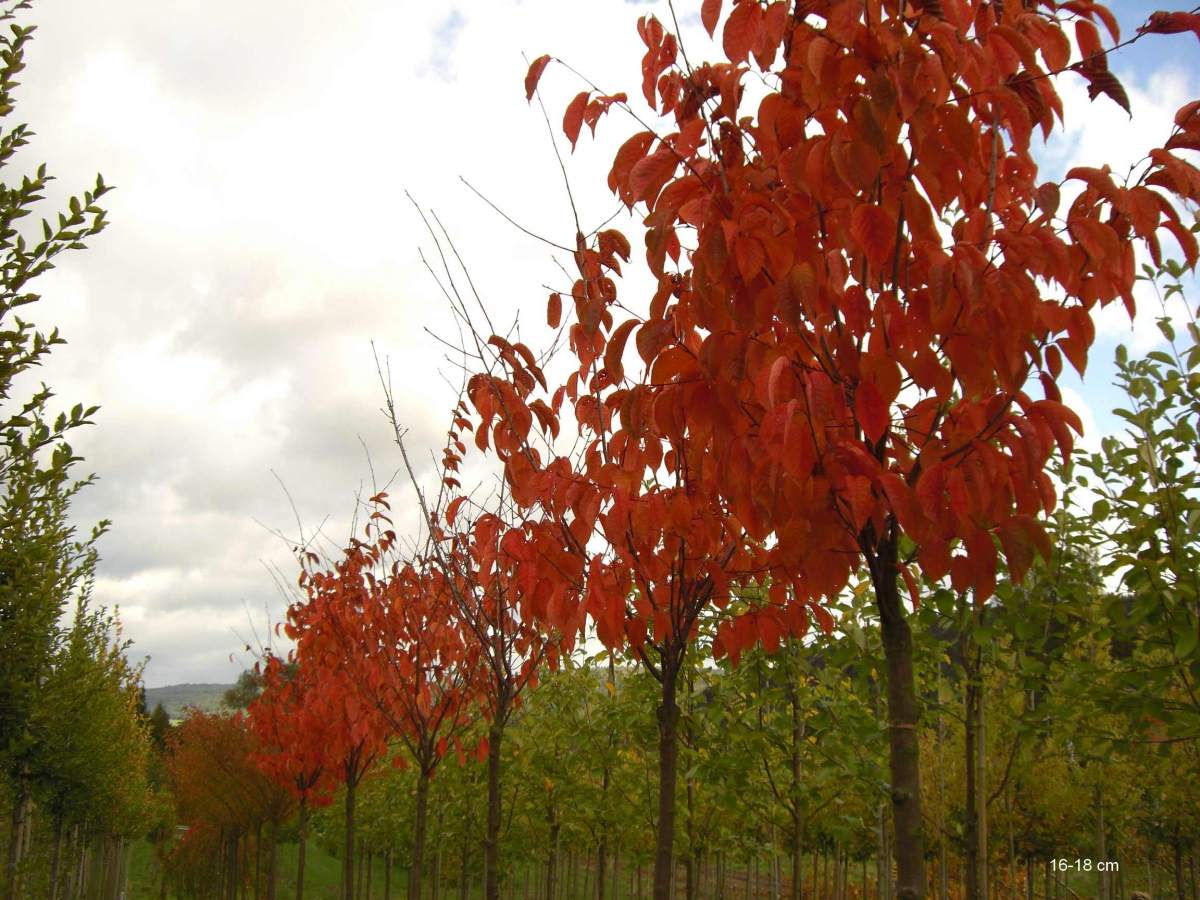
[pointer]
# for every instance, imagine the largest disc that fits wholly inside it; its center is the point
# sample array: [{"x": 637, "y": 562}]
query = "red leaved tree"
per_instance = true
[
  {"x": 867, "y": 290},
  {"x": 334, "y": 596},
  {"x": 296, "y": 738},
  {"x": 223, "y": 795},
  {"x": 476, "y": 571}
]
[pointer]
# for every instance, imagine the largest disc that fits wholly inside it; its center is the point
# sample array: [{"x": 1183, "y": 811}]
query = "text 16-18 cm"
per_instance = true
[{"x": 1085, "y": 865}]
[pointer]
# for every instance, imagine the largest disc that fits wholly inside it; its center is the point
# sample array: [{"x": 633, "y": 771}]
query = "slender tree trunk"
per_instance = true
[
  {"x": 1028, "y": 878},
  {"x": 1012, "y": 848},
  {"x": 348, "y": 861},
  {"x": 981, "y": 831},
  {"x": 668, "y": 761},
  {"x": 56, "y": 858},
  {"x": 1101, "y": 874},
  {"x": 971, "y": 733},
  {"x": 272, "y": 861},
  {"x": 903, "y": 717},
  {"x": 492, "y": 839},
  {"x": 16, "y": 830},
  {"x": 302, "y": 837},
  {"x": 552, "y": 851},
  {"x": 605, "y": 825},
  {"x": 943, "y": 861},
  {"x": 258, "y": 842},
  {"x": 1180, "y": 893},
  {"x": 419, "y": 828}
]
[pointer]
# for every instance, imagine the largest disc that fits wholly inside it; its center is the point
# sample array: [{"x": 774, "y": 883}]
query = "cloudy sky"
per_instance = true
[{"x": 261, "y": 240}]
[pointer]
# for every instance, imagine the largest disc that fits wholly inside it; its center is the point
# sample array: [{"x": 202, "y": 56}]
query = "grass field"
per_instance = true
[{"x": 322, "y": 875}]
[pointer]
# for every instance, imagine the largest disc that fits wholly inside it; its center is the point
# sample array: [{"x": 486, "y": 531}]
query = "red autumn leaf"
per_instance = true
[
  {"x": 742, "y": 30},
  {"x": 554, "y": 310},
  {"x": 616, "y": 349},
  {"x": 534, "y": 75},
  {"x": 710, "y": 13},
  {"x": 1172, "y": 23},
  {"x": 573, "y": 118},
  {"x": 650, "y": 173},
  {"x": 1088, "y": 38},
  {"x": 875, "y": 232},
  {"x": 871, "y": 411},
  {"x": 452, "y": 509}
]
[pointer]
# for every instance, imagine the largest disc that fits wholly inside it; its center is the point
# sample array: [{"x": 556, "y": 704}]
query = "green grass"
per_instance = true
[{"x": 322, "y": 875}]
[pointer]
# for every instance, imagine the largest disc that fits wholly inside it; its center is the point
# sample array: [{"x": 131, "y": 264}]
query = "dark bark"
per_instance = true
[
  {"x": 272, "y": 861},
  {"x": 1180, "y": 893},
  {"x": 668, "y": 765},
  {"x": 16, "y": 828},
  {"x": 971, "y": 826},
  {"x": 419, "y": 829},
  {"x": 492, "y": 838},
  {"x": 302, "y": 836},
  {"x": 56, "y": 858},
  {"x": 904, "y": 756},
  {"x": 797, "y": 823},
  {"x": 348, "y": 861},
  {"x": 552, "y": 851}
]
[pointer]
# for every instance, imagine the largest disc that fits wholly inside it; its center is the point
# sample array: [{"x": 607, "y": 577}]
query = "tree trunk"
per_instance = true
[
  {"x": 971, "y": 732},
  {"x": 904, "y": 756},
  {"x": 419, "y": 828},
  {"x": 602, "y": 853},
  {"x": 348, "y": 861},
  {"x": 552, "y": 852},
  {"x": 668, "y": 763},
  {"x": 56, "y": 858},
  {"x": 981, "y": 831},
  {"x": 272, "y": 862},
  {"x": 943, "y": 877},
  {"x": 16, "y": 829},
  {"x": 492, "y": 839},
  {"x": 302, "y": 837},
  {"x": 258, "y": 830},
  {"x": 1101, "y": 874},
  {"x": 1180, "y": 893}
]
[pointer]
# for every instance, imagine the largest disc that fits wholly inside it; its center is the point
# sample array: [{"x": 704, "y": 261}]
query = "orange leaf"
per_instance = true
[
  {"x": 573, "y": 119},
  {"x": 650, "y": 173},
  {"x": 742, "y": 29},
  {"x": 534, "y": 75},
  {"x": 1088, "y": 38},
  {"x": 710, "y": 12},
  {"x": 554, "y": 310},
  {"x": 452, "y": 509},
  {"x": 875, "y": 232},
  {"x": 871, "y": 411},
  {"x": 616, "y": 349}
]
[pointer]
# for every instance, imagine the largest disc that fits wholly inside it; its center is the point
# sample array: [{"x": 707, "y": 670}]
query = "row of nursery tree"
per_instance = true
[
  {"x": 858, "y": 637},
  {"x": 74, "y": 742}
]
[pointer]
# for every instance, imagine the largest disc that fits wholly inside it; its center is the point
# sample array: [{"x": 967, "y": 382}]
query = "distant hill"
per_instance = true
[{"x": 174, "y": 697}]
